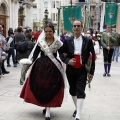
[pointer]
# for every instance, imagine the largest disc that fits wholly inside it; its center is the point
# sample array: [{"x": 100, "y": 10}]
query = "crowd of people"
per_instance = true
[
  {"x": 44, "y": 86},
  {"x": 9, "y": 46}
]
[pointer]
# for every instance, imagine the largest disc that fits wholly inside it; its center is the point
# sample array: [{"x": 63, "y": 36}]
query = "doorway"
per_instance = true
[{"x": 3, "y": 23}]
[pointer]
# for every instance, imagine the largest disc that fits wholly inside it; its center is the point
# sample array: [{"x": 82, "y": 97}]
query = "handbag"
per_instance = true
[{"x": 25, "y": 61}]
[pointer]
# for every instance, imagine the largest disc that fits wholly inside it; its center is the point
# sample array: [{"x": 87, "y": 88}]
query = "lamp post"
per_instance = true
[{"x": 46, "y": 12}]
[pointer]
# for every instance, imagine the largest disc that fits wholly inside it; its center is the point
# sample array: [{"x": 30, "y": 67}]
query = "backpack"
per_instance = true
[
  {"x": 22, "y": 46},
  {"x": 12, "y": 43},
  {"x": 7, "y": 38}
]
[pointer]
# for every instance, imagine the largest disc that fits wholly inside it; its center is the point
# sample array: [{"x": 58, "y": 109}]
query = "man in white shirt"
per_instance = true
[{"x": 75, "y": 53}]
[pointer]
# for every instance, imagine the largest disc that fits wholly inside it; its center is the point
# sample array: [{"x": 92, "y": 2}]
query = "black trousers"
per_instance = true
[
  {"x": 77, "y": 78},
  {"x": 107, "y": 54},
  {"x": 0, "y": 67},
  {"x": 3, "y": 66}
]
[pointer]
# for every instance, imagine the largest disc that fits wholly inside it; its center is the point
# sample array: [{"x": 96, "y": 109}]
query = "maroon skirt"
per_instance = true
[{"x": 44, "y": 86}]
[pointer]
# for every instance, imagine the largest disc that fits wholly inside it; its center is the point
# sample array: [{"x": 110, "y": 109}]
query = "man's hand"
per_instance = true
[
  {"x": 110, "y": 35},
  {"x": 72, "y": 62},
  {"x": 90, "y": 77},
  {"x": 108, "y": 48}
]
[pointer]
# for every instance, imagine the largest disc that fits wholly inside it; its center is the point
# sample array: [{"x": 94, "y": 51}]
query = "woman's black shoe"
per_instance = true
[
  {"x": 77, "y": 119},
  {"x": 74, "y": 114},
  {"x": 47, "y": 118},
  {"x": 44, "y": 111}
]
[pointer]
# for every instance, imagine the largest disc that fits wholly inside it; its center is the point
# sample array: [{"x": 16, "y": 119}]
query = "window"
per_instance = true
[
  {"x": 55, "y": 4},
  {"x": 58, "y": 3},
  {"x": 54, "y": 16},
  {"x": 34, "y": 5}
]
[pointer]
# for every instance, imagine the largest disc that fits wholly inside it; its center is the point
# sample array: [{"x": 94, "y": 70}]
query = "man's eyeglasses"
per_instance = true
[{"x": 76, "y": 25}]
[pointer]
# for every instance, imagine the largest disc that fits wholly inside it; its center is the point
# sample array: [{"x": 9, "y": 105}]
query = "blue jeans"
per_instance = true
[
  {"x": 11, "y": 52},
  {"x": 115, "y": 53}
]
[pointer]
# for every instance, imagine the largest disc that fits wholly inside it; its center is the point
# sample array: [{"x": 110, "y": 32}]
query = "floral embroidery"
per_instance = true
[{"x": 54, "y": 46}]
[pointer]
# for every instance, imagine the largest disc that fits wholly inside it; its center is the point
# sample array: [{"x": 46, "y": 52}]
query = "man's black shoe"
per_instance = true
[
  {"x": 15, "y": 65},
  {"x": 108, "y": 75},
  {"x": 104, "y": 74},
  {"x": 8, "y": 65},
  {"x": 5, "y": 72},
  {"x": 74, "y": 114},
  {"x": 47, "y": 118}
]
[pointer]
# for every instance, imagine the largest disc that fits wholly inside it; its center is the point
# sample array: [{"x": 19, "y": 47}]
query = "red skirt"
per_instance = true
[
  {"x": 42, "y": 88},
  {"x": 28, "y": 96}
]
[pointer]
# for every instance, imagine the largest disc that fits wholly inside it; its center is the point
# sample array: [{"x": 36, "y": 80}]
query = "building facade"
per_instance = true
[
  {"x": 53, "y": 6},
  {"x": 32, "y": 13},
  {"x": 10, "y": 16}
]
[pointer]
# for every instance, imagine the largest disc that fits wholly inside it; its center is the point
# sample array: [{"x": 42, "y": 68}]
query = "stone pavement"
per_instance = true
[{"x": 102, "y": 101}]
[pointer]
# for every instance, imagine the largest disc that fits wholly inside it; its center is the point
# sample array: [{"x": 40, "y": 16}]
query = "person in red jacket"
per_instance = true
[{"x": 37, "y": 35}]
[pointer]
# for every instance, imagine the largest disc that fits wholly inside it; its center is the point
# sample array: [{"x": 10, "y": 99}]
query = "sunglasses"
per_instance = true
[{"x": 76, "y": 25}]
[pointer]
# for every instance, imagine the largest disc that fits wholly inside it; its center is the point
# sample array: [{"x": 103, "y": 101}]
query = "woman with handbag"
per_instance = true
[{"x": 44, "y": 85}]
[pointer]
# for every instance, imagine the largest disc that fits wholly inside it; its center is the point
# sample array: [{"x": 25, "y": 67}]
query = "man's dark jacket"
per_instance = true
[{"x": 87, "y": 48}]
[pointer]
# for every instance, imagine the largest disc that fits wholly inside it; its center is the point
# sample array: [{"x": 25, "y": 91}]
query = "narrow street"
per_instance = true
[{"x": 102, "y": 100}]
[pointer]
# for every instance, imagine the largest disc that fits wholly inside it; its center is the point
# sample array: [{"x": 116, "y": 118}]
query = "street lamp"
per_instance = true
[{"x": 46, "y": 12}]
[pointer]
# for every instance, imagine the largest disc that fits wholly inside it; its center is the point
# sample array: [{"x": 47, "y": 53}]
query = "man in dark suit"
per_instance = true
[{"x": 75, "y": 53}]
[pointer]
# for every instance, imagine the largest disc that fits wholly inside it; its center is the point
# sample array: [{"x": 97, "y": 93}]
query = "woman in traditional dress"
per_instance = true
[{"x": 44, "y": 85}]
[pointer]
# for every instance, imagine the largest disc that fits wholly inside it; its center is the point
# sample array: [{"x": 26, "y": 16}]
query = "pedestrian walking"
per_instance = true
[
  {"x": 11, "y": 52},
  {"x": 116, "y": 49},
  {"x": 23, "y": 55},
  {"x": 19, "y": 36},
  {"x": 108, "y": 40},
  {"x": 75, "y": 53},
  {"x": 44, "y": 85}
]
